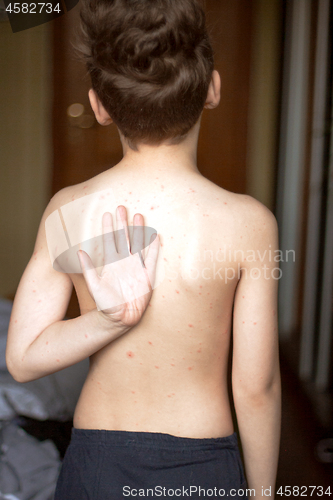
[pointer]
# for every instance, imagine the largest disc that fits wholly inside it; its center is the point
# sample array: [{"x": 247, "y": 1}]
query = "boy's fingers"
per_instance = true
[
  {"x": 151, "y": 259},
  {"x": 109, "y": 245},
  {"x": 122, "y": 231},
  {"x": 138, "y": 238},
  {"x": 88, "y": 270}
]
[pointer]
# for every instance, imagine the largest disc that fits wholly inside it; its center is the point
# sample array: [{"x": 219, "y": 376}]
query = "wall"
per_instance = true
[{"x": 25, "y": 145}]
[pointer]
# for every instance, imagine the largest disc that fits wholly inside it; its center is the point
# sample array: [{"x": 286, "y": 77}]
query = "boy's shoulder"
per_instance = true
[
  {"x": 250, "y": 219},
  {"x": 69, "y": 194},
  {"x": 252, "y": 209},
  {"x": 243, "y": 208}
]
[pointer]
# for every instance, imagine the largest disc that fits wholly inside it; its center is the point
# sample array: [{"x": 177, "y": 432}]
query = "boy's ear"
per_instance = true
[
  {"x": 102, "y": 116},
  {"x": 214, "y": 91}
]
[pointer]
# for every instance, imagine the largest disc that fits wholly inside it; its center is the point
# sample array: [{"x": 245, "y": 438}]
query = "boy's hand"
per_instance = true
[{"x": 123, "y": 290}]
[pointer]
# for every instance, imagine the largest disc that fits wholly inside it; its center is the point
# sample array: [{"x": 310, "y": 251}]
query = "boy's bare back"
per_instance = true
[
  {"x": 159, "y": 365},
  {"x": 169, "y": 373}
]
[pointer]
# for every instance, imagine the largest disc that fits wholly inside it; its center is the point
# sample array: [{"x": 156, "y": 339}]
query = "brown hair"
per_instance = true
[{"x": 150, "y": 63}]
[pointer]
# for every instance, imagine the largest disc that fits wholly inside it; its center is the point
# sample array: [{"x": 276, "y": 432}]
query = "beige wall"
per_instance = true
[
  {"x": 25, "y": 145},
  {"x": 264, "y": 100}
]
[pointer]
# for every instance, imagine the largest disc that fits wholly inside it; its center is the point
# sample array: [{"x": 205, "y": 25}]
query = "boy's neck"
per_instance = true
[{"x": 167, "y": 158}]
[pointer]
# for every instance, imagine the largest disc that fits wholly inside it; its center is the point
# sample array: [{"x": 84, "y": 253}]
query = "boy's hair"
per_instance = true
[{"x": 150, "y": 63}]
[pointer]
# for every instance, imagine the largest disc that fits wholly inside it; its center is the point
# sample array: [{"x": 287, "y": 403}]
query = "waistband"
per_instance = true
[{"x": 150, "y": 439}]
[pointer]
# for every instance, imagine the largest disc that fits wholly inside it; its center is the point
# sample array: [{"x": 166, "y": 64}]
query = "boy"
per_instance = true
[{"x": 153, "y": 418}]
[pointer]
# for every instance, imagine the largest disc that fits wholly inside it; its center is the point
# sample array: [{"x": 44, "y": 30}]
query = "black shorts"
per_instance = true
[{"x": 115, "y": 465}]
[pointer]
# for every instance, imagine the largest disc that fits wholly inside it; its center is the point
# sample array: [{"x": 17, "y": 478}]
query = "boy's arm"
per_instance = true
[
  {"x": 256, "y": 381},
  {"x": 39, "y": 341}
]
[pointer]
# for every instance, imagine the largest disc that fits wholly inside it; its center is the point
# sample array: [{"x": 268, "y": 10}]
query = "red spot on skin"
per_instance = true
[
  {"x": 190, "y": 325},
  {"x": 130, "y": 192},
  {"x": 190, "y": 367},
  {"x": 15, "y": 321},
  {"x": 86, "y": 336},
  {"x": 39, "y": 301},
  {"x": 47, "y": 342},
  {"x": 163, "y": 296},
  {"x": 130, "y": 354},
  {"x": 179, "y": 257},
  {"x": 133, "y": 392},
  {"x": 243, "y": 296},
  {"x": 243, "y": 321},
  {"x": 151, "y": 208},
  {"x": 199, "y": 350},
  {"x": 177, "y": 291},
  {"x": 172, "y": 364},
  {"x": 162, "y": 186},
  {"x": 165, "y": 259},
  {"x": 150, "y": 342},
  {"x": 254, "y": 323},
  {"x": 58, "y": 360},
  {"x": 85, "y": 187},
  {"x": 156, "y": 366},
  {"x": 172, "y": 237},
  {"x": 225, "y": 203},
  {"x": 34, "y": 291},
  {"x": 200, "y": 293}
]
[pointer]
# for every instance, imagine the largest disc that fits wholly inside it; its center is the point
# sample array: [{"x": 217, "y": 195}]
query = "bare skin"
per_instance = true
[{"x": 168, "y": 373}]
